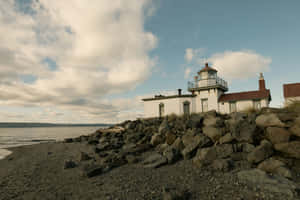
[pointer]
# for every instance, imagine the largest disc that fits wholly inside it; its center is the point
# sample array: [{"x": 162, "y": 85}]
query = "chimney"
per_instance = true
[
  {"x": 179, "y": 92},
  {"x": 262, "y": 84},
  {"x": 206, "y": 64}
]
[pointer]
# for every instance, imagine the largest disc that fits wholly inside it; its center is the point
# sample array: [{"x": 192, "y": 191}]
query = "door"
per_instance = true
[
  {"x": 161, "y": 109},
  {"x": 204, "y": 103},
  {"x": 232, "y": 106},
  {"x": 186, "y": 108}
]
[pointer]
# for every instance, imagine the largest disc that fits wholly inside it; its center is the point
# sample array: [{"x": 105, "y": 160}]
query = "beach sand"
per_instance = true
[{"x": 37, "y": 172}]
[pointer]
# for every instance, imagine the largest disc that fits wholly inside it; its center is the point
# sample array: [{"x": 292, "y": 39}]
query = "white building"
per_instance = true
[
  {"x": 207, "y": 92},
  {"x": 291, "y": 92}
]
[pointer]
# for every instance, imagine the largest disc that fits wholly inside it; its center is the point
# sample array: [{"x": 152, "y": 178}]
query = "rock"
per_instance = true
[
  {"x": 291, "y": 149},
  {"x": 131, "y": 159},
  {"x": 161, "y": 147},
  {"x": 112, "y": 130},
  {"x": 164, "y": 127},
  {"x": 170, "y": 138},
  {"x": 68, "y": 140},
  {"x": 154, "y": 161},
  {"x": 93, "y": 141},
  {"x": 188, "y": 137},
  {"x": 272, "y": 184},
  {"x": 178, "y": 144},
  {"x": 227, "y": 138},
  {"x": 211, "y": 120},
  {"x": 242, "y": 128},
  {"x": 247, "y": 148},
  {"x": 267, "y": 120},
  {"x": 274, "y": 166},
  {"x": 261, "y": 152},
  {"x": 277, "y": 135},
  {"x": 222, "y": 165},
  {"x": 286, "y": 117},
  {"x": 84, "y": 156},
  {"x": 213, "y": 133},
  {"x": 191, "y": 147},
  {"x": 174, "y": 194},
  {"x": 205, "y": 156},
  {"x": 91, "y": 170},
  {"x": 194, "y": 121},
  {"x": 223, "y": 150},
  {"x": 295, "y": 130},
  {"x": 156, "y": 139},
  {"x": 69, "y": 164},
  {"x": 171, "y": 154}
]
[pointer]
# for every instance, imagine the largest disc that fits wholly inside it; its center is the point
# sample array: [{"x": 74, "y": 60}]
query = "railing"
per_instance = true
[{"x": 203, "y": 83}]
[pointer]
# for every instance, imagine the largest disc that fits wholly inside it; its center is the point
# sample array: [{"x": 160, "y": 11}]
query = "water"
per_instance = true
[{"x": 13, "y": 137}]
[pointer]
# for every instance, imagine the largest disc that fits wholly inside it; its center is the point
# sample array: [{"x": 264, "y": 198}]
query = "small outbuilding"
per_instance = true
[{"x": 291, "y": 92}]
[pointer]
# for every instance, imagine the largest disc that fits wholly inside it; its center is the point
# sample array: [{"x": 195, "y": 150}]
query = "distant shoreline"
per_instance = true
[{"x": 37, "y": 125}]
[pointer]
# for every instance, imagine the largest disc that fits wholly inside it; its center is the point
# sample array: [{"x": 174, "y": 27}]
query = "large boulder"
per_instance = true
[
  {"x": 178, "y": 144},
  {"x": 164, "y": 127},
  {"x": 261, "y": 152},
  {"x": 157, "y": 139},
  {"x": 211, "y": 120},
  {"x": 227, "y": 138},
  {"x": 272, "y": 184},
  {"x": 269, "y": 119},
  {"x": 155, "y": 160},
  {"x": 170, "y": 138},
  {"x": 291, "y": 149},
  {"x": 295, "y": 129},
  {"x": 171, "y": 154},
  {"x": 192, "y": 145},
  {"x": 278, "y": 135},
  {"x": 194, "y": 121},
  {"x": 241, "y": 127},
  {"x": 205, "y": 156},
  {"x": 212, "y": 132},
  {"x": 274, "y": 166}
]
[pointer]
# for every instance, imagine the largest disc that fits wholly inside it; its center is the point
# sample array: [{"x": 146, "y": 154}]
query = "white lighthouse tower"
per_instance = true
[{"x": 208, "y": 87}]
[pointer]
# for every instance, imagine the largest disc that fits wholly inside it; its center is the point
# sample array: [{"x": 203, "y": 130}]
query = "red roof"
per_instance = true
[
  {"x": 207, "y": 68},
  {"x": 291, "y": 90},
  {"x": 259, "y": 94}
]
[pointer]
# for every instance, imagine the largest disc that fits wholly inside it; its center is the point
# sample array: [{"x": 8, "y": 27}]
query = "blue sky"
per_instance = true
[{"x": 93, "y": 61}]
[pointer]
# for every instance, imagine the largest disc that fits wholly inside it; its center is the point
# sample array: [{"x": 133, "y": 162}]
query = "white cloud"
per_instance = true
[
  {"x": 187, "y": 72},
  {"x": 239, "y": 64},
  {"x": 193, "y": 54},
  {"x": 100, "y": 47}
]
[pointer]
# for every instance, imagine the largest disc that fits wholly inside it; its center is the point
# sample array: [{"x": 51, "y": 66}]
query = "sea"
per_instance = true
[{"x": 13, "y": 137}]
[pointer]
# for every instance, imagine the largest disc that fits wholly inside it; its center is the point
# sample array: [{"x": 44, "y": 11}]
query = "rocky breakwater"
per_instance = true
[{"x": 261, "y": 149}]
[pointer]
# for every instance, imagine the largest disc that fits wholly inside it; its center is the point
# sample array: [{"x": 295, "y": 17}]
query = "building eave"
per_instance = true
[{"x": 169, "y": 97}]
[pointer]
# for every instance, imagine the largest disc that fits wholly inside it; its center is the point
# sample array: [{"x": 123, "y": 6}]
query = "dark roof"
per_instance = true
[
  {"x": 258, "y": 94},
  {"x": 207, "y": 68},
  {"x": 291, "y": 90},
  {"x": 161, "y": 97}
]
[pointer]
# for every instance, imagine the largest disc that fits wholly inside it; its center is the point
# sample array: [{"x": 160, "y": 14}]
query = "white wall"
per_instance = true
[
  {"x": 290, "y": 100},
  {"x": 242, "y": 105},
  {"x": 171, "y": 106},
  {"x": 212, "y": 95}
]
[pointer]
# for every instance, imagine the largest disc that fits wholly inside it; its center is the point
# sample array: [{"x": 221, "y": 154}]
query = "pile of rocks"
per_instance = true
[{"x": 256, "y": 145}]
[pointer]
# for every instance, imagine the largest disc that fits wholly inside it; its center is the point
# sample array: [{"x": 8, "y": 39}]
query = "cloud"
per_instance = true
[
  {"x": 239, "y": 64},
  {"x": 187, "y": 73},
  {"x": 96, "y": 48},
  {"x": 193, "y": 54}
]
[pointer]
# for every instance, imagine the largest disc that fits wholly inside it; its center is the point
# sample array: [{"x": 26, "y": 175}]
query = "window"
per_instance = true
[
  {"x": 161, "y": 109},
  {"x": 204, "y": 103},
  {"x": 256, "y": 104},
  {"x": 232, "y": 106},
  {"x": 186, "y": 107}
]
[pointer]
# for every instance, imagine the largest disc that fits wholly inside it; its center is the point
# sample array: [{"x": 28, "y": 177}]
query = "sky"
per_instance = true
[{"x": 93, "y": 61}]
